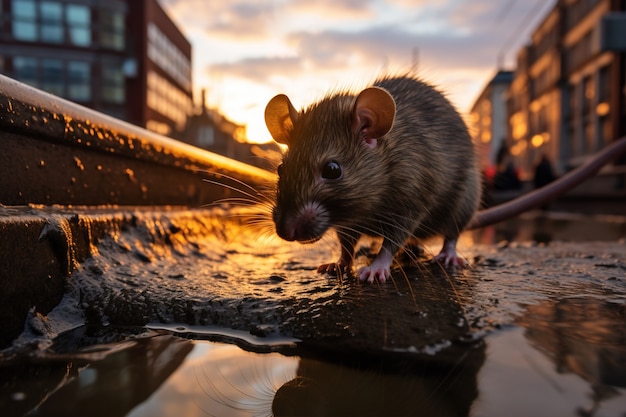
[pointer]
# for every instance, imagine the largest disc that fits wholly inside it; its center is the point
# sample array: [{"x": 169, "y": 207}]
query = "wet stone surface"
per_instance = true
[{"x": 210, "y": 268}]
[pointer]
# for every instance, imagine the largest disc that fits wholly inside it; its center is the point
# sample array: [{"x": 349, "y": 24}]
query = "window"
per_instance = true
[
  {"x": 163, "y": 52},
  {"x": 51, "y": 14},
  {"x": 113, "y": 85},
  {"x": 70, "y": 79},
  {"x": 52, "y": 79},
  {"x": 51, "y": 22},
  {"x": 167, "y": 99},
  {"x": 78, "y": 20},
  {"x": 25, "y": 70},
  {"x": 112, "y": 30},
  {"x": 24, "y": 20},
  {"x": 78, "y": 81}
]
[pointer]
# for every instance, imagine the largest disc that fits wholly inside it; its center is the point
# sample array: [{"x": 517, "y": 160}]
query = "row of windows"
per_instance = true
[
  {"x": 70, "y": 79},
  {"x": 168, "y": 100},
  {"x": 167, "y": 56},
  {"x": 58, "y": 22},
  {"x": 589, "y": 112}
]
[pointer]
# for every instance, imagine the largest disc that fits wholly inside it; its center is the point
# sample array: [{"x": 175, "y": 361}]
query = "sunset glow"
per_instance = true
[{"x": 246, "y": 52}]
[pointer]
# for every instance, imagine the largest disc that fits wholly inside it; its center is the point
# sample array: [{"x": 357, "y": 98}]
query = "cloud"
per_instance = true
[
  {"x": 334, "y": 9},
  {"x": 376, "y": 48},
  {"x": 277, "y": 44},
  {"x": 243, "y": 20},
  {"x": 259, "y": 69}
]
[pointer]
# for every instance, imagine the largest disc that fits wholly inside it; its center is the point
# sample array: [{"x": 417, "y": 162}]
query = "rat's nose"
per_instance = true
[{"x": 285, "y": 232}]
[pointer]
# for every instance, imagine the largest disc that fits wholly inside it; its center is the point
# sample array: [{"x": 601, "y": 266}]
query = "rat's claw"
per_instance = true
[
  {"x": 449, "y": 260},
  {"x": 448, "y": 256},
  {"x": 371, "y": 274},
  {"x": 334, "y": 268}
]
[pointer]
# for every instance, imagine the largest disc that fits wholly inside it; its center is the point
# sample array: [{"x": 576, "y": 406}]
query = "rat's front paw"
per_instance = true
[
  {"x": 334, "y": 268},
  {"x": 372, "y": 273}
]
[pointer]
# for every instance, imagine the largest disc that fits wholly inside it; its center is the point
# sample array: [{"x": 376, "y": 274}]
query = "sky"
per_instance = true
[{"x": 247, "y": 51}]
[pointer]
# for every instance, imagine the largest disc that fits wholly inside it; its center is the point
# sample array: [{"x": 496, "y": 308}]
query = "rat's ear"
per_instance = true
[
  {"x": 374, "y": 112},
  {"x": 280, "y": 116}
]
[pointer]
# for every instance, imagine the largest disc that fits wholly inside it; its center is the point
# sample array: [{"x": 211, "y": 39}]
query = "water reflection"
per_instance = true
[
  {"x": 381, "y": 386},
  {"x": 566, "y": 357},
  {"x": 584, "y": 336},
  {"x": 108, "y": 380},
  {"x": 221, "y": 380},
  {"x": 544, "y": 227}
]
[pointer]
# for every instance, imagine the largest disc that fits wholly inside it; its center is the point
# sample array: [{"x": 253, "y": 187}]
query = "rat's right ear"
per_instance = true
[{"x": 280, "y": 116}]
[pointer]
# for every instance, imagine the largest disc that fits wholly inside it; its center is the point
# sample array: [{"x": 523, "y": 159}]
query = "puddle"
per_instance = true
[{"x": 515, "y": 372}]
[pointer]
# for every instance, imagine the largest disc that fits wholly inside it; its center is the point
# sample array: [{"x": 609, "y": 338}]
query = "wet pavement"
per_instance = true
[{"x": 535, "y": 326}]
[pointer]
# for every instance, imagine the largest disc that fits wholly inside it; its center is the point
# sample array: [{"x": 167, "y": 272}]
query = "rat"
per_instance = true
[{"x": 395, "y": 161}]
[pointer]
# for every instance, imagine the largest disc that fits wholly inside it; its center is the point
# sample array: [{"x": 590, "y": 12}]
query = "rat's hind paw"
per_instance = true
[
  {"x": 451, "y": 260},
  {"x": 448, "y": 256}
]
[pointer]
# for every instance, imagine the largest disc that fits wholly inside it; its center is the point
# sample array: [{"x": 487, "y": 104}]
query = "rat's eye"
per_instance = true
[
  {"x": 331, "y": 170},
  {"x": 279, "y": 169}
]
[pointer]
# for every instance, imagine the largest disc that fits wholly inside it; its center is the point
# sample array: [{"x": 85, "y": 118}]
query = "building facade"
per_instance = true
[
  {"x": 567, "y": 97},
  {"x": 125, "y": 58},
  {"x": 488, "y": 120}
]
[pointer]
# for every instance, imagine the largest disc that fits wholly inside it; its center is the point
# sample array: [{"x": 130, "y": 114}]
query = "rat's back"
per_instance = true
[{"x": 434, "y": 154}]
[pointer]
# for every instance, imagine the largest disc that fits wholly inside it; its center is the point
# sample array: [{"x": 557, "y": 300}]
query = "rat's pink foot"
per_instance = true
[
  {"x": 449, "y": 257},
  {"x": 372, "y": 273},
  {"x": 379, "y": 269}
]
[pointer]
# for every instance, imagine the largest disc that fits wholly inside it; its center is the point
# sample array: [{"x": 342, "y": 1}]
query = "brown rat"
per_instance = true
[{"x": 394, "y": 161}]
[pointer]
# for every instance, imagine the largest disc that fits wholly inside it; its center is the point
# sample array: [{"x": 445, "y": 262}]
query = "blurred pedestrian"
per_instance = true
[
  {"x": 544, "y": 174},
  {"x": 507, "y": 177}
]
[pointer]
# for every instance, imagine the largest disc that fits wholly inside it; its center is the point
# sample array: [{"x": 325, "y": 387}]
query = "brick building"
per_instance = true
[{"x": 125, "y": 58}]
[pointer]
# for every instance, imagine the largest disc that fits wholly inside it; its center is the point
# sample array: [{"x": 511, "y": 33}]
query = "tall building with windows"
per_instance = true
[
  {"x": 568, "y": 95},
  {"x": 125, "y": 58}
]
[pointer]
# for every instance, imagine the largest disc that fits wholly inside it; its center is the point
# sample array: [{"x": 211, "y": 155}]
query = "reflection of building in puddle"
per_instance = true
[
  {"x": 110, "y": 381},
  {"x": 582, "y": 335}
]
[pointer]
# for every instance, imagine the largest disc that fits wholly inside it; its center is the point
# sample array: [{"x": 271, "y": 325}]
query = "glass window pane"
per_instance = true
[
  {"x": 51, "y": 15},
  {"x": 77, "y": 15},
  {"x": 25, "y": 70},
  {"x": 24, "y": 9},
  {"x": 24, "y": 31},
  {"x": 80, "y": 36},
  {"x": 79, "y": 81},
  {"x": 24, "y": 19},
  {"x": 52, "y": 76},
  {"x": 51, "y": 12},
  {"x": 113, "y": 85},
  {"x": 52, "y": 33},
  {"x": 112, "y": 30},
  {"x": 78, "y": 19}
]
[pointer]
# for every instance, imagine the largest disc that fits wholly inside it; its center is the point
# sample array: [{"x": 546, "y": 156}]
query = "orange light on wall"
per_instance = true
[
  {"x": 602, "y": 109},
  {"x": 518, "y": 125},
  {"x": 537, "y": 140}
]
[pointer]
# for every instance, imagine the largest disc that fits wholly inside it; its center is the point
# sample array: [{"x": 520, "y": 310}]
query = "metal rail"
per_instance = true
[{"x": 53, "y": 151}]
